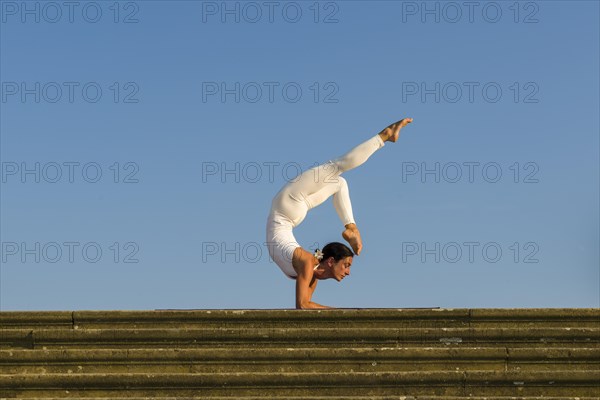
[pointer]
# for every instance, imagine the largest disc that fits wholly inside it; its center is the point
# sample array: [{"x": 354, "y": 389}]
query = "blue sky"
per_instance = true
[{"x": 142, "y": 143}]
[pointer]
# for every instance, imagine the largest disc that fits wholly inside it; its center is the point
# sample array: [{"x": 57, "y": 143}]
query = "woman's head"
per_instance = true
[
  {"x": 337, "y": 257},
  {"x": 337, "y": 251}
]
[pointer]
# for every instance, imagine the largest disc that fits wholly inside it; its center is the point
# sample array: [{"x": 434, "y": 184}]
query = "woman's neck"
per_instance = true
[{"x": 322, "y": 272}]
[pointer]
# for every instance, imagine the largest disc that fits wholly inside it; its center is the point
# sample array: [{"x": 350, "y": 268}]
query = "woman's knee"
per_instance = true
[{"x": 336, "y": 181}]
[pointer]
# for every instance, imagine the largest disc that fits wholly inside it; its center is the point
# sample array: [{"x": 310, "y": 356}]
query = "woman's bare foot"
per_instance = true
[
  {"x": 392, "y": 132},
  {"x": 352, "y": 236}
]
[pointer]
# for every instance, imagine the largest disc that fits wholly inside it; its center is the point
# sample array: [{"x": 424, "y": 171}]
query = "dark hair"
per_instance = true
[{"x": 337, "y": 251}]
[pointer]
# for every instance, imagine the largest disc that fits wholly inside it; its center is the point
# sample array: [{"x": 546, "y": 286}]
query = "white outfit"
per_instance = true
[{"x": 310, "y": 189}]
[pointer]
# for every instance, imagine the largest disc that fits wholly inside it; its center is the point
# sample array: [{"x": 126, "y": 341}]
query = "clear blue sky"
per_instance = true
[{"x": 196, "y": 113}]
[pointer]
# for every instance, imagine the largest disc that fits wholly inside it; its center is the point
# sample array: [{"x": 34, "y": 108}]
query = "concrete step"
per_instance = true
[
  {"x": 365, "y": 359},
  {"x": 30, "y": 338},
  {"x": 438, "y": 354},
  {"x": 336, "y": 318},
  {"x": 481, "y": 383},
  {"x": 308, "y": 397}
]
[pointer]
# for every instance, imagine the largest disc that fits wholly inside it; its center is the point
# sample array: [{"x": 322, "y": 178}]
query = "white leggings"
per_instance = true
[{"x": 310, "y": 189}]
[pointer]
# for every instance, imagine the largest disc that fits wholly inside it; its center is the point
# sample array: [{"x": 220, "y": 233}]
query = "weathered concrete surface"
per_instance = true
[
  {"x": 355, "y": 354},
  {"x": 373, "y": 397}
]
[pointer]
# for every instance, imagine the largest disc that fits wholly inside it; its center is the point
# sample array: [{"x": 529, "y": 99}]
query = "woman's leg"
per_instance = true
[
  {"x": 327, "y": 176},
  {"x": 319, "y": 183},
  {"x": 358, "y": 155},
  {"x": 341, "y": 199},
  {"x": 320, "y": 177}
]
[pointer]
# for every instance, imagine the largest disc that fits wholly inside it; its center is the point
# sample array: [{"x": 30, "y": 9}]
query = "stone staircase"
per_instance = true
[{"x": 350, "y": 354}]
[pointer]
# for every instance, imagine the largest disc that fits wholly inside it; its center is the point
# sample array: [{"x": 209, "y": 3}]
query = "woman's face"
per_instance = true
[{"x": 342, "y": 268}]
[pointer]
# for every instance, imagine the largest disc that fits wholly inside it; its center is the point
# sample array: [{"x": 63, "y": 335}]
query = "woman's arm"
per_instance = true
[
  {"x": 306, "y": 283},
  {"x": 304, "y": 294}
]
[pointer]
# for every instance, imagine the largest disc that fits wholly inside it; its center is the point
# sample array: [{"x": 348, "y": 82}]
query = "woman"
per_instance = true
[{"x": 311, "y": 188}]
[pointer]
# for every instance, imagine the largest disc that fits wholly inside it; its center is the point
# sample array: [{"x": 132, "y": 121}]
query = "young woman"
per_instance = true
[{"x": 310, "y": 189}]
